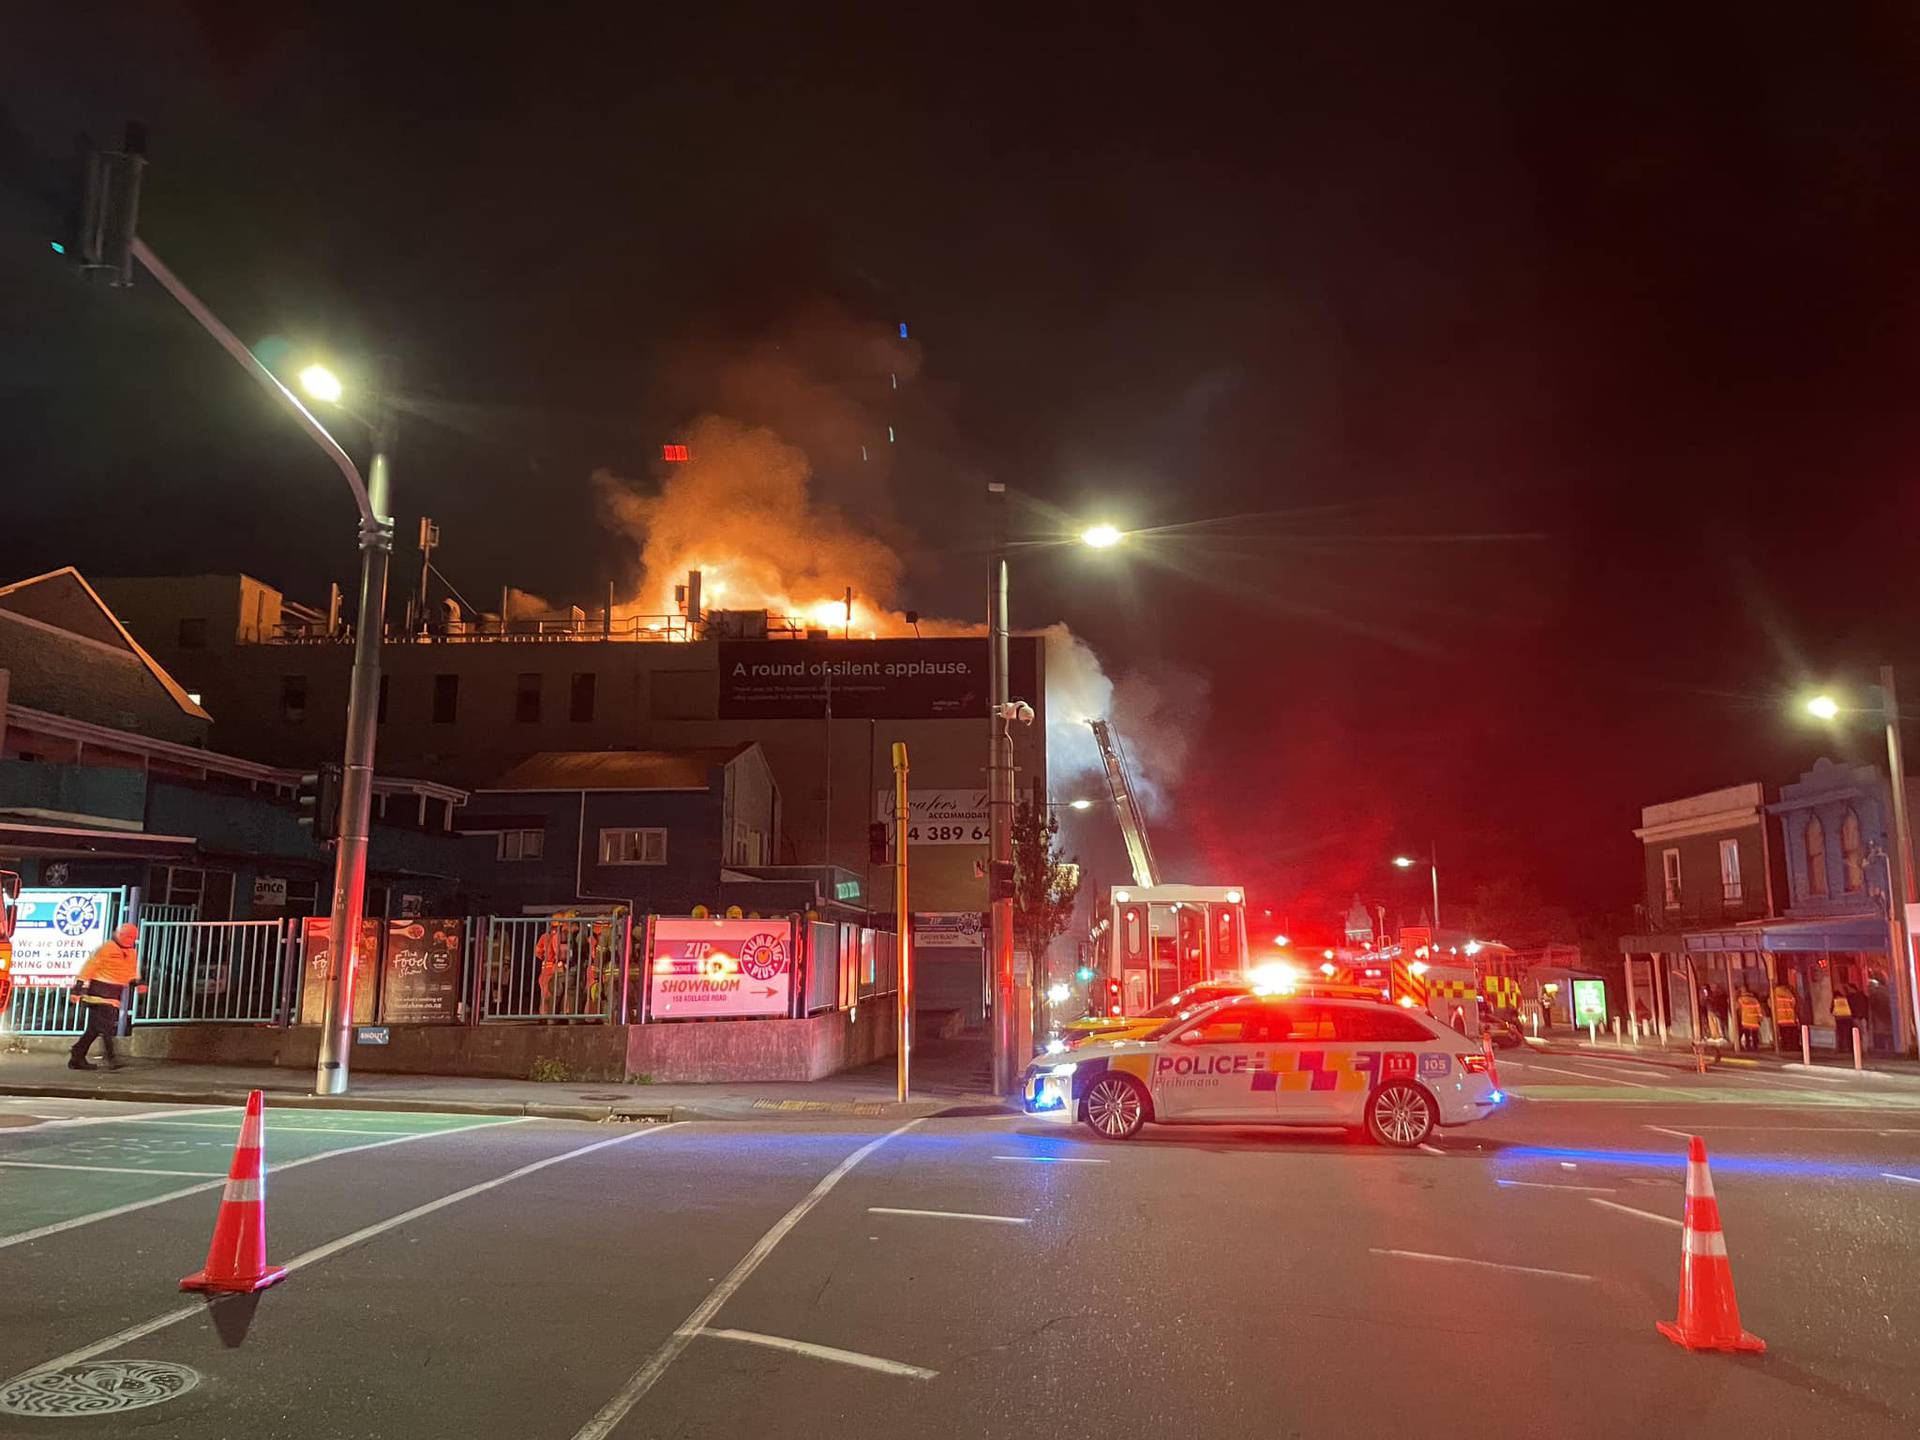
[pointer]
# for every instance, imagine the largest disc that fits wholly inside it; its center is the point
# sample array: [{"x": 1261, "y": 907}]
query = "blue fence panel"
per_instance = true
[{"x": 220, "y": 971}]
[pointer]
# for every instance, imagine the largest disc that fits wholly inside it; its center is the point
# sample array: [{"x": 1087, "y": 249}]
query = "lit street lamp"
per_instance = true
[
  {"x": 1102, "y": 537},
  {"x": 1899, "y": 892},
  {"x": 1407, "y": 862}
]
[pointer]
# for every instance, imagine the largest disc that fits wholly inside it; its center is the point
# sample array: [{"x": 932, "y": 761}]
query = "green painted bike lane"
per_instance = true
[{"x": 54, "y": 1174}]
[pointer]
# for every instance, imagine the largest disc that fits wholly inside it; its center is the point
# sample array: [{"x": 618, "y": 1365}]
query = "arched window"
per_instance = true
[
  {"x": 1816, "y": 857},
  {"x": 1852, "y": 856}
]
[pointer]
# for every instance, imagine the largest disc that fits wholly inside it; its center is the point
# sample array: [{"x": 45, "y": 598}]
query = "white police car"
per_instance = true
[{"x": 1257, "y": 1059}]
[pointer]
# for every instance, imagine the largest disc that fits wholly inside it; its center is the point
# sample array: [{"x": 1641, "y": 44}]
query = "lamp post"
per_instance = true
[
  {"x": 1407, "y": 862},
  {"x": 1002, "y": 711},
  {"x": 1905, "y": 973}
]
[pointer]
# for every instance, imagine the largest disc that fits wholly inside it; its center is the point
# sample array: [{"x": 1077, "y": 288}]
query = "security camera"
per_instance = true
[{"x": 1017, "y": 710}]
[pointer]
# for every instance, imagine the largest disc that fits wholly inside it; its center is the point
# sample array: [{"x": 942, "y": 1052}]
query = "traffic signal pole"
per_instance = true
[
  {"x": 1000, "y": 812},
  {"x": 902, "y": 922}
]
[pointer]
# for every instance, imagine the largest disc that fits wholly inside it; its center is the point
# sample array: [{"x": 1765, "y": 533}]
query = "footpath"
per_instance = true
[
  {"x": 1677, "y": 1055},
  {"x": 950, "y": 1077}
]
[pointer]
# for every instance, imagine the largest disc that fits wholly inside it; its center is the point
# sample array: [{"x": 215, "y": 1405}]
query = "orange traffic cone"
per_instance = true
[
  {"x": 1709, "y": 1316},
  {"x": 237, "y": 1259}
]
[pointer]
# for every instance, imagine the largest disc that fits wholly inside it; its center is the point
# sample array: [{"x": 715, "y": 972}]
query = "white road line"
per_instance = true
[
  {"x": 1546, "y": 1185},
  {"x": 105, "y": 1169},
  {"x": 1910, "y": 1179},
  {"x": 1629, "y": 1210},
  {"x": 644, "y": 1379},
  {"x": 322, "y": 1252},
  {"x": 1807, "y": 1129},
  {"x": 42, "y": 1231},
  {"x": 1431, "y": 1149},
  {"x": 1483, "y": 1264},
  {"x": 1587, "y": 1075},
  {"x": 64, "y": 1122},
  {"x": 945, "y": 1215},
  {"x": 1052, "y": 1159},
  {"x": 1663, "y": 1130},
  {"x": 824, "y": 1352}
]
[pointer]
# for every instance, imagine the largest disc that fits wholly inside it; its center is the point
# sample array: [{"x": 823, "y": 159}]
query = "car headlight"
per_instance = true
[{"x": 1063, "y": 1070}]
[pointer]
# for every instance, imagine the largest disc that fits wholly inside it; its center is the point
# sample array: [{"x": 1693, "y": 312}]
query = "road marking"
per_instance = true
[
  {"x": 1910, "y": 1179},
  {"x": 331, "y": 1248},
  {"x": 1483, "y": 1264},
  {"x": 41, "y": 1232},
  {"x": 104, "y": 1169},
  {"x": 1807, "y": 1129},
  {"x": 824, "y": 1352},
  {"x": 1431, "y": 1149},
  {"x": 1663, "y": 1130},
  {"x": 946, "y": 1215},
  {"x": 145, "y": 1116},
  {"x": 644, "y": 1379},
  {"x": 1547, "y": 1185},
  {"x": 1629, "y": 1210},
  {"x": 1588, "y": 1075},
  {"x": 1052, "y": 1159},
  {"x": 282, "y": 1129}
]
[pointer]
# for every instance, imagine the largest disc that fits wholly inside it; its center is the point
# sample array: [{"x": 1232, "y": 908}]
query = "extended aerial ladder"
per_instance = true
[{"x": 1155, "y": 938}]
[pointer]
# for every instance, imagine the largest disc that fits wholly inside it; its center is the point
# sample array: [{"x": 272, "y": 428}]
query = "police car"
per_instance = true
[{"x": 1279, "y": 1060}]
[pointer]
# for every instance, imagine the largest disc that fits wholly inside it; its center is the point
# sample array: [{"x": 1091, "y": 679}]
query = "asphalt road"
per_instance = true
[{"x": 980, "y": 1276}]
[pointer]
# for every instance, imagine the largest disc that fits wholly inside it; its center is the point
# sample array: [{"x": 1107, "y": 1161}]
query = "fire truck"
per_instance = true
[{"x": 1155, "y": 939}]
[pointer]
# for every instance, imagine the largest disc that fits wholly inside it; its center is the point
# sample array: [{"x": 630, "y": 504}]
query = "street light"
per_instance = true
[
  {"x": 321, "y": 383},
  {"x": 1080, "y": 804},
  {"x": 1407, "y": 862},
  {"x": 1102, "y": 537},
  {"x": 1899, "y": 894}
]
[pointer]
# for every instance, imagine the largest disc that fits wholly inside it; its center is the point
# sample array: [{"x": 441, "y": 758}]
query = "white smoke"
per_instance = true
[{"x": 1153, "y": 717}]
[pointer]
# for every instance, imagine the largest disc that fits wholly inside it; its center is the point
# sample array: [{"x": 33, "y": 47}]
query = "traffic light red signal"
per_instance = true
[{"x": 1112, "y": 996}]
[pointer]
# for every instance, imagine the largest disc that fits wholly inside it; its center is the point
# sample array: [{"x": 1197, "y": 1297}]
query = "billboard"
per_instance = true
[
  {"x": 949, "y": 930},
  {"x": 1589, "y": 1002},
  {"x": 730, "y": 968},
  {"x": 56, "y": 930},
  {"x": 868, "y": 679},
  {"x": 939, "y": 817},
  {"x": 319, "y": 965},
  {"x": 422, "y": 972}
]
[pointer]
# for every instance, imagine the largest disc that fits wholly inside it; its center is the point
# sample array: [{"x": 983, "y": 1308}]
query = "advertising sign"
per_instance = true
[
  {"x": 319, "y": 958},
  {"x": 870, "y": 679},
  {"x": 949, "y": 930},
  {"x": 1589, "y": 1002},
  {"x": 422, "y": 969},
  {"x": 56, "y": 930},
  {"x": 731, "y": 968},
  {"x": 270, "y": 892},
  {"x": 939, "y": 817}
]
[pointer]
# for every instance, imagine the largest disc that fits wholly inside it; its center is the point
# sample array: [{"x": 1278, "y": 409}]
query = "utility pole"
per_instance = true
[
  {"x": 902, "y": 920},
  {"x": 429, "y": 542},
  {"x": 1905, "y": 975},
  {"x": 1000, "y": 808}
]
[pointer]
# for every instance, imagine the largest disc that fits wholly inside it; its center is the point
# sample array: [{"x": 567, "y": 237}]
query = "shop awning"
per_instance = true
[
  {"x": 54, "y": 842},
  {"x": 1862, "y": 934},
  {"x": 1652, "y": 944}
]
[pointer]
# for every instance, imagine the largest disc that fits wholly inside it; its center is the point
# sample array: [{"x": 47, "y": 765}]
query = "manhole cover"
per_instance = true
[{"x": 99, "y": 1388}]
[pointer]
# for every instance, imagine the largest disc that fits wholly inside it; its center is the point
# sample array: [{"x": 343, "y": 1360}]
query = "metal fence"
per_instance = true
[
  {"x": 196, "y": 971},
  {"x": 44, "y": 1010},
  {"x": 168, "y": 912},
  {"x": 533, "y": 967}
]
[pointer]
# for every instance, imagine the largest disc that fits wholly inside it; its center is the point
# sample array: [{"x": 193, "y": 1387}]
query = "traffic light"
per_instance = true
[
  {"x": 100, "y": 208},
  {"x": 877, "y": 844},
  {"x": 1000, "y": 880},
  {"x": 318, "y": 801},
  {"x": 1083, "y": 974},
  {"x": 1112, "y": 996}
]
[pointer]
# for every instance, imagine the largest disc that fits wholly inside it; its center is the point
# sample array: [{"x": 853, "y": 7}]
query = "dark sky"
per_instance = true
[{"x": 1558, "y": 359}]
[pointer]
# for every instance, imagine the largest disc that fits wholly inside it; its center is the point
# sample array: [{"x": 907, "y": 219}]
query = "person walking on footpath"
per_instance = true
[
  {"x": 1751, "y": 1013},
  {"x": 102, "y": 986}
]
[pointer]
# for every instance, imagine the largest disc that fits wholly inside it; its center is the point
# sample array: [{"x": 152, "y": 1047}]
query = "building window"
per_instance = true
[
  {"x": 293, "y": 698},
  {"x": 446, "y": 699},
  {"x": 1731, "y": 889},
  {"x": 526, "y": 699},
  {"x": 193, "y": 634},
  {"x": 633, "y": 847},
  {"x": 1853, "y": 860},
  {"x": 1816, "y": 834},
  {"x": 580, "y": 702},
  {"x": 381, "y": 713},
  {"x": 522, "y": 845},
  {"x": 1670, "y": 875}
]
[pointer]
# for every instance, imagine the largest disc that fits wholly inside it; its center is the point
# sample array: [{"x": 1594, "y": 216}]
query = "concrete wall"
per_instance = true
[{"x": 688, "y": 1053}]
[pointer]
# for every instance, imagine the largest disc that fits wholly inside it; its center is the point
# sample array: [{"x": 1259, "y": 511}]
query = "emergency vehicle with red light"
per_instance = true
[{"x": 1394, "y": 1071}]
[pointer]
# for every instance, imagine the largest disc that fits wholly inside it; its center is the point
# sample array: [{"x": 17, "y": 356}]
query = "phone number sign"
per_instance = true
[{"x": 939, "y": 817}]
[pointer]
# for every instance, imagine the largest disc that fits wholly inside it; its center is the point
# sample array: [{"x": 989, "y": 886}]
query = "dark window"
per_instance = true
[
  {"x": 446, "y": 699},
  {"x": 526, "y": 699},
  {"x": 293, "y": 698},
  {"x": 382, "y": 715},
  {"x": 580, "y": 703},
  {"x": 1358, "y": 1024},
  {"x": 1308, "y": 1022},
  {"x": 193, "y": 634}
]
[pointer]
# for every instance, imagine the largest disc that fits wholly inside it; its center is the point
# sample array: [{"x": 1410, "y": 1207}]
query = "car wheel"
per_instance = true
[
  {"x": 1116, "y": 1107},
  {"x": 1400, "y": 1115}
]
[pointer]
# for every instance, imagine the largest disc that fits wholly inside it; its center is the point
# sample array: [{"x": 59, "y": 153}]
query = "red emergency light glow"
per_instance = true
[{"x": 675, "y": 454}]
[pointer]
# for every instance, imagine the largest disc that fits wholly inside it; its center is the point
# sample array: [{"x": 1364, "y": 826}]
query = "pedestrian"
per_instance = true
[
  {"x": 1751, "y": 1013},
  {"x": 1786, "y": 1017},
  {"x": 101, "y": 986},
  {"x": 1842, "y": 1010}
]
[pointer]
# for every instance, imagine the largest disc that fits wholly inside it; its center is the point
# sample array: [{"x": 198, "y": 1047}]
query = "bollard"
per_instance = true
[
  {"x": 1536, "y": 1024},
  {"x": 1593, "y": 1033},
  {"x": 1616, "y": 1031},
  {"x": 1859, "y": 1062},
  {"x": 1806, "y": 1047}
]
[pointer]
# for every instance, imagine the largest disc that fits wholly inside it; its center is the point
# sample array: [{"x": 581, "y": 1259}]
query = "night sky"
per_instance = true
[{"x": 1524, "y": 391}]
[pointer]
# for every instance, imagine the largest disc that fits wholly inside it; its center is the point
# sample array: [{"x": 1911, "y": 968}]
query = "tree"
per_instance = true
[{"x": 1045, "y": 884}]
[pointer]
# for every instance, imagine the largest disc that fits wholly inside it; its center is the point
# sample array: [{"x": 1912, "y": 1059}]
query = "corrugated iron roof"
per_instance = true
[{"x": 618, "y": 769}]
